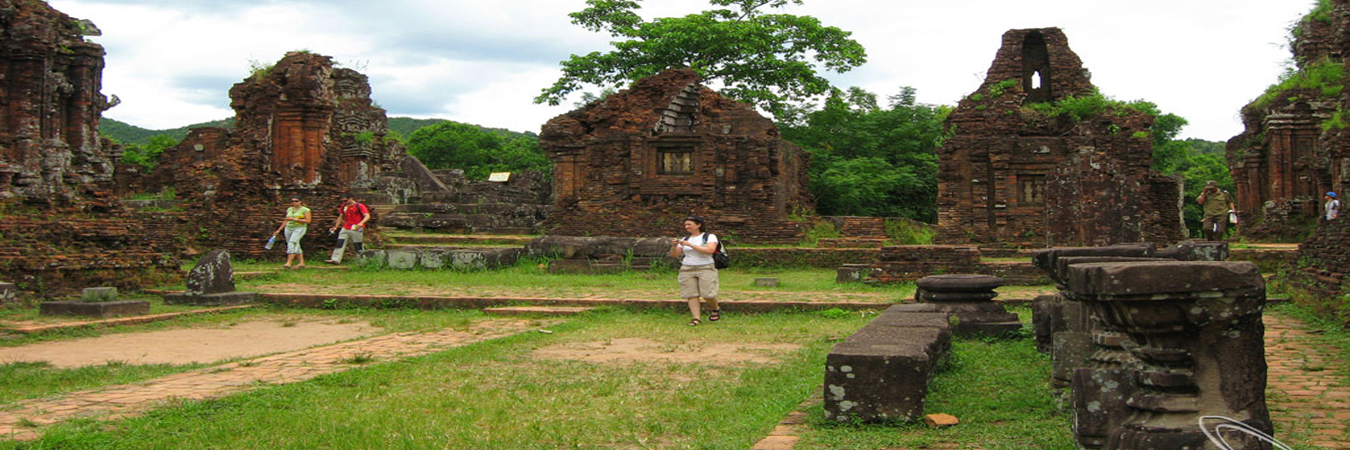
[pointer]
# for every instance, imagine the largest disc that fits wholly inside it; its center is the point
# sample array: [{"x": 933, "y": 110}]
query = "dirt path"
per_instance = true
[
  {"x": 188, "y": 345},
  {"x": 112, "y": 402}
]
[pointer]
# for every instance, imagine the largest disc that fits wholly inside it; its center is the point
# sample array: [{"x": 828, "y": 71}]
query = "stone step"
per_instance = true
[
  {"x": 433, "y": 239},
  {"x": 543, "y": 310}
]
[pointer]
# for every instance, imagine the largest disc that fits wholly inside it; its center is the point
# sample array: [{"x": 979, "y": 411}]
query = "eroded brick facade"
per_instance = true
[
  {"x": 62, "y": 228},
  {"x": 1015, "y": 176},
  {"x": 50, "y": 101},
  {"x": 1284, "y": 161},
  {"x": 639, "y": 161},
  {"x": 302, "y": 128}
]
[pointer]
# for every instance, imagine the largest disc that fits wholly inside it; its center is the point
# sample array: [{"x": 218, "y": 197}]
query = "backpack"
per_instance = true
[{"x": 721, "y": 259}]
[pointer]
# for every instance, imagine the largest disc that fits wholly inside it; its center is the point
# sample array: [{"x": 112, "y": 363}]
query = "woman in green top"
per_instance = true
[{"x": 295, "y": 223}]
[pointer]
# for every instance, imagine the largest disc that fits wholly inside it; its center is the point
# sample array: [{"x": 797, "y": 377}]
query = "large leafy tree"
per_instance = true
[
  {"x": 869, "y": 160},
  {"x": 770, "y": 60},
  {"x": 479, "y": 152}
]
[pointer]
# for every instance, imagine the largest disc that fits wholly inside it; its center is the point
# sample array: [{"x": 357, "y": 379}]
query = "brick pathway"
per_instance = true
[
  {"x": 1305, "y": 398},
  {"x": 112, "y": 402}
]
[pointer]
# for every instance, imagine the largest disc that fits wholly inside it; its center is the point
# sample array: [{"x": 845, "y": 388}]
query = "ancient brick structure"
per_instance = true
[
  {"x": 1284, "y": 161},
  {"x": 1014, "y": 175},
  {"x": 639, "y": 161},
  {"x": 50, "y": 152},
  {"x": 303, "y": 128},
  {"x": 62, "y": 230}
]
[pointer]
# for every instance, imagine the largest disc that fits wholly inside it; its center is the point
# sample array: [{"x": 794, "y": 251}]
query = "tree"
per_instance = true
[
  {"x": 147, "y": 156},
  {"x": 765, "y": 59},
  {"x": 872, "y": 161},
  {"x": 479, "y": 152}
]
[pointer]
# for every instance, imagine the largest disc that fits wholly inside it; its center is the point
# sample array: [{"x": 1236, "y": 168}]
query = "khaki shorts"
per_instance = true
[{"x": 698, "y": 281}]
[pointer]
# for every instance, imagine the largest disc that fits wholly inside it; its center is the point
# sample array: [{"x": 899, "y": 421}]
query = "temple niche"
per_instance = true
[
  {"x": 1015, "y": 175},
  {"x": 50, "y": 151},
  {"x": 1290, "y": 152},
  {"x": 640, "y": 160}
]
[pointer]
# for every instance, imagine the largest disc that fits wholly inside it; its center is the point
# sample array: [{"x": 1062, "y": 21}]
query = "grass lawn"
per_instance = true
[
  {"x": 530, "y": 278},
  {"x": 506, "y": 394}
]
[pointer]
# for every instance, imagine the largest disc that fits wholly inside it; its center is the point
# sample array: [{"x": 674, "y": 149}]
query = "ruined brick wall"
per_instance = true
[
  {"x": 639, "y": 161},
  {"x": 1015, "y": 176},
  {"x": 54, "y": 255},
  {"x": 303, "y": 128},
  {"x": 1287, "y": 157},
  {"x": 50, "y": 102},
  {"x": 1324, "y": 259}
]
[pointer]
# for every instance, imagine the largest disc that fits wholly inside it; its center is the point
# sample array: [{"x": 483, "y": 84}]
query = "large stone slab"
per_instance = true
[
  {"x": 96, "y": 309},
  {"x": 881, "y": 373},
  {"x": 218, "y": 299}
]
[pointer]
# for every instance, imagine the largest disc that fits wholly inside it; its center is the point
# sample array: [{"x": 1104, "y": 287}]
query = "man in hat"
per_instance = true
[
  {"x": 350, "y": 225},
  {"x": 1217, "y": 204},
  {"x": 1332, "y": 206}
]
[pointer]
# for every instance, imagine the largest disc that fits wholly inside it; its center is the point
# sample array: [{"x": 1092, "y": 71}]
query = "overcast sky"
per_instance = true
[{"x": 172, "y": 62}]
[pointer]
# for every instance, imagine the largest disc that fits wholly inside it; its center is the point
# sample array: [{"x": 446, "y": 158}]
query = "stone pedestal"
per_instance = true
[
  {"x": 968, "y": 300},
  {"x": 99, "y": 309},
  {"x": 1197, "y": 333}
]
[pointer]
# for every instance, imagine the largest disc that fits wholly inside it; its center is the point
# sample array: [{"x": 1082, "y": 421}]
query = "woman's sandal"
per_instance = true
[
  {"x": 714, "y": 315},
  {"x": 695, "y": 322}
]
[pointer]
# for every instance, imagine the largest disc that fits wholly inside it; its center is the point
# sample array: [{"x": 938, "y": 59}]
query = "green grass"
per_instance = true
[
  {"x": 26, "y": 380},
  {"x": 497, "y": 394},
  {"x": 998, "y": 389},
  {"x": 532, "y": 274}
]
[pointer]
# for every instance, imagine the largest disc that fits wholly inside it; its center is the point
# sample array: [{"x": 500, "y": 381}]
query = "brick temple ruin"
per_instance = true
[
  {"x": 303, "y": 128},
  {"x": 63, "y": 229},
  {"x": 1012, "y": 176},
  {"x": 639, "y": 161},
  {"x": 1284, "y": 161},
  {"x": 1320, "y": 165}
]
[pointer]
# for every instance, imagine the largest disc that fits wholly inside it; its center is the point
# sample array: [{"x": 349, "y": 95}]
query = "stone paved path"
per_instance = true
[
  {"x": 1305, "y": 397},
  {"x": 112, "y": 402}
]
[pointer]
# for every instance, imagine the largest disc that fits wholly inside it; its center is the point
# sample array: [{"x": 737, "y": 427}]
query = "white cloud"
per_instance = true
[{"x": 172, "y": 62}]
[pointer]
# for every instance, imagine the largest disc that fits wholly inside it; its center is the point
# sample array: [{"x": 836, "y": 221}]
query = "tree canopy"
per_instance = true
[
  {"x": 869, "y": 160},
  {"x": 770, "y": 60},
  {"x": 479, "y": 152}
]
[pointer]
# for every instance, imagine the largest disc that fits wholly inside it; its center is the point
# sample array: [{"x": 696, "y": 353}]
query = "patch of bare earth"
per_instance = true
[
  {"x": 639, "y": 350},
  {"x": 190, "y": 345}
]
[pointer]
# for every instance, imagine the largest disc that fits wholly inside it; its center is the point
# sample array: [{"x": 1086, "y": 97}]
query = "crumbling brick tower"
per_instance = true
[
  {"x": 1019, "y": 172},
  {"x": 50, "y": 102},
  {"x": 62, "y": 228},
  {"x": 639, "y": 161},
  {"x": 302, "y": 128},
  {"x": 1283, "y": 161}
]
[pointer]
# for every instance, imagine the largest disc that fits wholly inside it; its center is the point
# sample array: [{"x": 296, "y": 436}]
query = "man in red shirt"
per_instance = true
[{"x": 352, "y": 218}]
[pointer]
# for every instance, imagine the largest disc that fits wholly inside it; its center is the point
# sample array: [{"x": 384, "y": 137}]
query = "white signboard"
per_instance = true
[{"x": 500, "y": 177}]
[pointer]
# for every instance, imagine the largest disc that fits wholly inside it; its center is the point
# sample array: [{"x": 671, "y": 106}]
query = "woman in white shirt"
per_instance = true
[{"x": 698, "y": 276}]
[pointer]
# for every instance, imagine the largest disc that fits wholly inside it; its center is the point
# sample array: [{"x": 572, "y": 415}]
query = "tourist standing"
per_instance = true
[
  {"x": 350, "y": 225},
  {"x": 294, "y": 224},
  {"x": 1217, "y": 205},
  {"x": 1332, "y": 206},
  {"x": 698, "y": 275}
]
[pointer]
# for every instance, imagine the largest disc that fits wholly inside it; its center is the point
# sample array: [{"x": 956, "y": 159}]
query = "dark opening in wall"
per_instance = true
[{"x": 1036, "y": 76}]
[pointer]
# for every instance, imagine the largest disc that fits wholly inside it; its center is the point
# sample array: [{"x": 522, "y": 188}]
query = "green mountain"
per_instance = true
[{"x": 125, "y": 133}]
